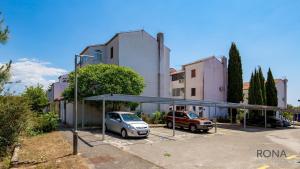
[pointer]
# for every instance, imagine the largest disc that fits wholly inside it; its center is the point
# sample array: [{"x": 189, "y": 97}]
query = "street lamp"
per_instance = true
[
  {"x": 75, "y": 133},
  {"x": 11, "y": 82},
  {"x": 297, "y": 115}
]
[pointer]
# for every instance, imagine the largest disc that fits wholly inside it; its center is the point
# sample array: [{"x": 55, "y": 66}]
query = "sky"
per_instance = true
[{"x": 45, "y": 35}]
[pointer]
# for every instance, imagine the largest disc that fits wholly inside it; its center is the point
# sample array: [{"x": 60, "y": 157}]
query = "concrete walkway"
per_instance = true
[{"x": 101, "y": 155}]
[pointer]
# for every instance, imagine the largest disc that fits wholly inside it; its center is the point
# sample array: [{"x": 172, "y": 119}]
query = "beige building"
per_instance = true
[
  {"x": 204, "y": 79},
  {"x": 138, "y": 50},
  {"x": 142, "y": 52}
]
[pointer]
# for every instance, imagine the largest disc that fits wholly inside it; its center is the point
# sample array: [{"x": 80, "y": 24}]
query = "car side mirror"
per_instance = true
[{"x": 119, "y": 120}]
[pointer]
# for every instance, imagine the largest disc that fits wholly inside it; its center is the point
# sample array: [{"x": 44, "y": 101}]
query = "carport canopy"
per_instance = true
[{"x": 176, "y": 101}]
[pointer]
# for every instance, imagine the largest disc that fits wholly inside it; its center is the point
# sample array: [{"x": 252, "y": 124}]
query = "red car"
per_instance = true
[{"x": 190, "y": 120}]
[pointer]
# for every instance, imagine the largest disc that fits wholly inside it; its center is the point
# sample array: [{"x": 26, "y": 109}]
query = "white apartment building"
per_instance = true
[
  {"x": 142, "y": 52},
  {"x": 55, "y": 98},
  {"x": 281, "y": 86},
  {"x": 204, "y": 79},
  {"x": 56, "y": 89}
]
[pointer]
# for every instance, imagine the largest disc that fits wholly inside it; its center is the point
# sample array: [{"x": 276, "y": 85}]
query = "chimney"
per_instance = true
[
  {"x": 225, "y": 78},
  {"x": 160, "y": 47}
]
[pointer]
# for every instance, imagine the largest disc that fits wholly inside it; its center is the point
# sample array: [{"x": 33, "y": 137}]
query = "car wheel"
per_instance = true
[
  {"x": 170, "y": 124},
  {"x": 193, "y": 128},
  {"x": 106, "y": 129},
  {"x": 205, "y": 130},
  {"x": 124, "y": 133}
]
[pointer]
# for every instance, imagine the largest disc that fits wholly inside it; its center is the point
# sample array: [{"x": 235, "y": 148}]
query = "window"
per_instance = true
[
  {"x": 193, "y": 73},
  {"x": 193, "y": 91},
  {"x": 178, "y": 76},
  {"x": 177, "y": 92},
  {"x": 99, "y": 55},
  {"x": 179, "y": 108},
  {"x": 179, "y": 114},
  {"x": 84, "y": 59},
  {"x": 130, "y": 117},
  {"x": 192, "y": 115},
  {"x": 114, "y": 116},
  {"x": 112, "y": 52}
]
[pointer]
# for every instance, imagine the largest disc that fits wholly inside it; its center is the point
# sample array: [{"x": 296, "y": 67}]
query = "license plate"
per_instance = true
[{"x": 143, "y": 132}]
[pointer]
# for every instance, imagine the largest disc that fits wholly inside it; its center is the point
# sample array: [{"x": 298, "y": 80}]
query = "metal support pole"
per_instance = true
[
  {"x": 294, "y": 121},
  {"x": 245, "y": 112},
  {"x": 82, "y": 114},
  {"x": 173, "y": 119},
  {"x": 141, "y": 107},
  {"x": 215, "y": 111},
  {"x": 230, "y": 115},
  {"x": 75, "y": 132},
  {"x": 209, "y": 113},
  {"x": 265, "y": 118},
  {"x": 103, "y": 120},
  {"x": 215, "y": 125}
]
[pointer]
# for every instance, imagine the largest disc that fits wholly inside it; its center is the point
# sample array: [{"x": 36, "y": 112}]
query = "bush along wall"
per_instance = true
[{"x": 13, "y": 113}]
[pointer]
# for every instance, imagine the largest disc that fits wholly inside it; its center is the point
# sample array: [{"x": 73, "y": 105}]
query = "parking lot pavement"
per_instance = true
[
  {"x": 100, "y": 155},
  {"x": 228, "y": 148},
  {"x": 157, "y": 135}
]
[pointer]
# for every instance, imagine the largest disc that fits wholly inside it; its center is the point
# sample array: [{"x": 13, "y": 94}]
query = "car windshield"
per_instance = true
[
  {"x": 193, "y": 115},
  {"x": 130, "y": 117}
]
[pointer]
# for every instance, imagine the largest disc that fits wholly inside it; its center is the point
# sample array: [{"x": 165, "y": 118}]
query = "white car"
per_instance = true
[{"x": 127, "y": 124}]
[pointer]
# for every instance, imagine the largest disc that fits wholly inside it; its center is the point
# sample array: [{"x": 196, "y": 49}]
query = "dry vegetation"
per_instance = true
[{"x": 48, "y": 151}]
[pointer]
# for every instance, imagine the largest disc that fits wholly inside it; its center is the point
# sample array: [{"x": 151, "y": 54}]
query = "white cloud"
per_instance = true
[{"x": 32, "y": 72}]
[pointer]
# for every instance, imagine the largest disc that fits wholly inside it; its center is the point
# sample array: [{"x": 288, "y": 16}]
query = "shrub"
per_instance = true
[
  {"x": 158, "y": 117},
  {"x": 146, "y": 118},
  {"x": 240, "y": 116},
  {"x": 223, "y": 120},
  {"x": 42, "y": 123},
  {"x": 155, "y": 118},
  {"x": 36, "y": 97},
  {"x": 13, "y": 112},
  {"x": 288, "y": 115}
]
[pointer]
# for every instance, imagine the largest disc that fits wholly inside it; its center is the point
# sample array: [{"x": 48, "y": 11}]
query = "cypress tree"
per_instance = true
[
  {"x": 255, "y": 95},
  {"x": 271, "y": 92},
  {"x": 262, "y": 85},
  {"x": 235, "y": 78},
  {"x": 251, "y": 99},
  {"x": 257, "y": 89}
]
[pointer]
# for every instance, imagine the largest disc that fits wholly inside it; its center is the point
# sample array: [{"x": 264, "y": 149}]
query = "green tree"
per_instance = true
[
  {"x": 251, "y": 97},
  {"x": 235, "y": 78},
  {"x": 262, "y": 85},
  {"x": 13, "y": 113},
  {"x": 36, "y": 97},
  {"x": 98, "y": 79},
  {"x": 271, "y": 92},
  {"x": 4, "y": 69},
  {"x": 4, "y": 75},
  {"x": 257, "y": 89},
  {"x": 255, "y": 93},
  {"x": 3, "y": 31}
]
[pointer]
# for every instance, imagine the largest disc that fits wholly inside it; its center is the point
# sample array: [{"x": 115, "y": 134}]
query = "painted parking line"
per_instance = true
[
  {"x": 264, "y": 167},
  {"x": 149, "y": 141},
  {"x": 291, "y": 157}
]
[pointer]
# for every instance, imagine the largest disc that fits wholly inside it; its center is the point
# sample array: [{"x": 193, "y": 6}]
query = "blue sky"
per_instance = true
[{"x": 50, "y": 32}]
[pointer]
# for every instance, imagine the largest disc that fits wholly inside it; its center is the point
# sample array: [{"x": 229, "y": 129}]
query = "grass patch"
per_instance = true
[
  {"x": 167, "y": 154},
  {"x": 49, "y": 151}
]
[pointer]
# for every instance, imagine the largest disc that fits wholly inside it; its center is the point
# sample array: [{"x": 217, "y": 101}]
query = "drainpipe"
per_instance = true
[
  {"x": 285, "y": 92},
  {"x": 160, "y": 42},
  {"x": 225, "y": 78}
]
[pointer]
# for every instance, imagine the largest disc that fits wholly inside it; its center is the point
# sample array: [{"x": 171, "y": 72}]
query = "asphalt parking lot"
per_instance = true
[{"x": 230, "y": 147}]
